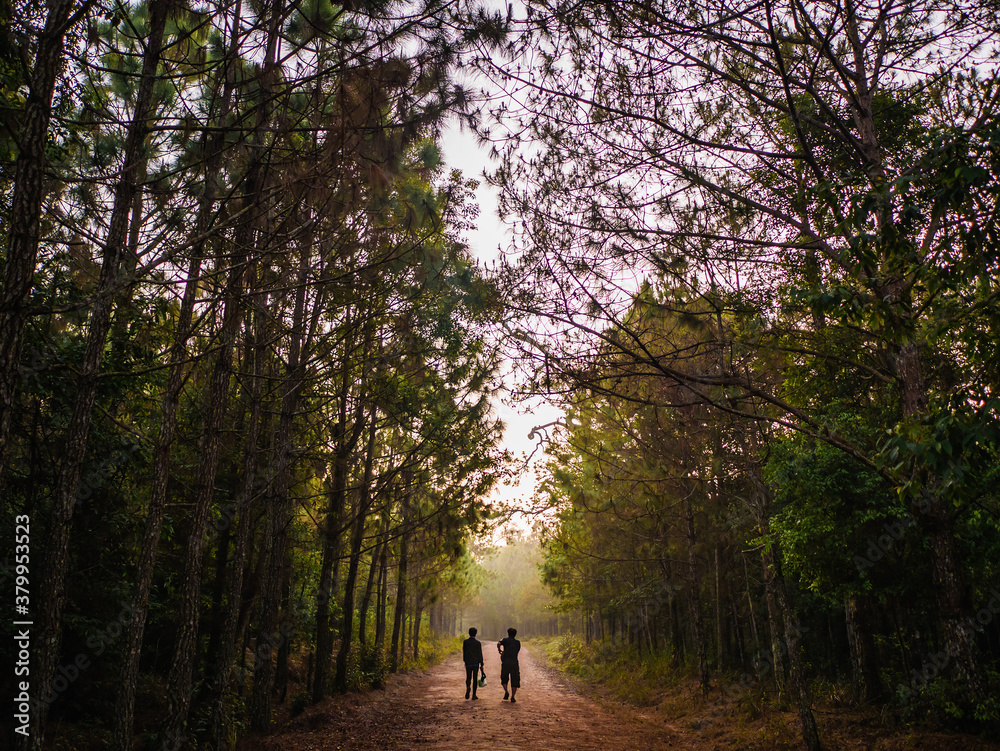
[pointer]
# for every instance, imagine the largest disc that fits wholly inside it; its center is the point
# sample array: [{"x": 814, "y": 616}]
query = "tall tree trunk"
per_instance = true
[
  {"x": 756, "y": 644},
  {"x": 796, "y": 670},
  {"x": 57, "y": 551},
  {"x": 694, "y": 598},
  {"x": 231, "y": 620},
  {"x": 369, "y": 587},
  {"x": 285, "y": 646},
  {"x": 219, "y": 576},
  {"x": 129, "y": 670},
  {"x": 182, "y": 667},
  {"x": 383, "y": 594},
  {"x": 673, "y": 616},
  {"x": 418, "y": 614},
  {"x": 737, "y": 630},
  {"x": 364, "y": 504},
  {"x": 26, "y": 204},
  {"x": 345, "y": 441},
  {"x": 933, "y": 510},
  {"x": 935, "y": 519},
  {"x": 720, "y": 624},
  {"x": 775, "y": 624},
  {"x": 783, "y": 621},
  {"x": 864, "y": 662},
  {"x": 400, "y": 605},
  {"x": 278, "y": 504},
  {"x": 330, "y": 564},
  {"x": 407, "y": 634},
  {"x": 124, "y": 308}
]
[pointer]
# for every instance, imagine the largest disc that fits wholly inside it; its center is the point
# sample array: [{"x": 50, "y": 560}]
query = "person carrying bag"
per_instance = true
[{"x": 472, "y": 654}]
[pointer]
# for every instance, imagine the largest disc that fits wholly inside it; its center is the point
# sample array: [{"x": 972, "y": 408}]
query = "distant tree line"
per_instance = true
[{"x": 512, "y": 594}]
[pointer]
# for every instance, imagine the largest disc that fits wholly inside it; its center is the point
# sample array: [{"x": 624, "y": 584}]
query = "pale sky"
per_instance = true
[{"x": 460, "y": 151}]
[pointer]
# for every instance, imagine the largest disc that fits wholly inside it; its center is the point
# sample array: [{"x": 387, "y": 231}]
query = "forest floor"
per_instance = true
[{"x": 427, "y": 710}]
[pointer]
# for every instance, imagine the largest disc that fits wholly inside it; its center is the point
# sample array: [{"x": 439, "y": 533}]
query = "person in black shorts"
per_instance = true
[
  {"x": 509, "y": 669},
  {"x": 472, "y": 654}
]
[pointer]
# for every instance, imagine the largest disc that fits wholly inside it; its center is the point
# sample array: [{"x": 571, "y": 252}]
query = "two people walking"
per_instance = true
[{"x": 472, "y": 653}]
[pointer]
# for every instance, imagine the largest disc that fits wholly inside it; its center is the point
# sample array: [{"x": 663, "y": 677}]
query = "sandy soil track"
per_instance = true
[{"x": 429, "y": 711}]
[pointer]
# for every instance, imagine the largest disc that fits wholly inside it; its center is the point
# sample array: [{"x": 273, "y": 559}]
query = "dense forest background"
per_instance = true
[
  {"x": 248, "y": 363},
  {"x": 511, "y": 593}
]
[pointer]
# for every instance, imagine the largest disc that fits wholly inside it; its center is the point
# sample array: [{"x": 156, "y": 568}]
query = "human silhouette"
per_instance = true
[
  {"x": 472, "y": 653},
  {"x": 509, "y": 669}
]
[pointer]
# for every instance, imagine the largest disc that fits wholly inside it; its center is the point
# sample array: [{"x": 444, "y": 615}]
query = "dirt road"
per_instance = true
[
  {"x": 548, "y": 714},
  {"x": 429, "y": 711}
]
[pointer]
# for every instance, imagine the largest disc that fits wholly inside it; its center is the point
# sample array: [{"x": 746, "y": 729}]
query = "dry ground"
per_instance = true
[{"x": 428, "y": 711}]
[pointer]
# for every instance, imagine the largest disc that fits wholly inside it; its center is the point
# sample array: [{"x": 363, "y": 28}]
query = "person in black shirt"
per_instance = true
[
  {"x": 509, "y": 669},
  {"x": 472, "y": 653}
]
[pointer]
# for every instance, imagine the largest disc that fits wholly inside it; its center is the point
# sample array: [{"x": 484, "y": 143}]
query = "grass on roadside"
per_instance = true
[
  {"x": 627, "y": 675},
  {"x": 741, "y": 713},
  {"x": 434, "y": 648}
]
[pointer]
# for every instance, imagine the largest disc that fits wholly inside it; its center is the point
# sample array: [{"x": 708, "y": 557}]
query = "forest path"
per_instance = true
[{"x": 428, "y": 711}]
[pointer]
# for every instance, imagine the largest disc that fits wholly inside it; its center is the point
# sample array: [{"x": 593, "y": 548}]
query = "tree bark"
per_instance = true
[
  {"x": 755, "y": 634},
  {"x": 285, "y": 646},
  {"x": 366, "y": 600},
  {"x": 400, "y": 604},
  {"x": 694, "y": 598},
  {"x": 383, "y": 566},
  {"x": 364, "y": 504},
  {"x": 864, "y": 664},
  {"x": 129, "y": 671},
  {"x": 720, "y": 624},
  {"x": 330, "y": 563},
  {"x": 278, "y": 504},
  {"x": 182, "y": 666},
  {"x": 179, "y": 682},
  {"x": 792, "y": 647},
  {"x": 231, "y": 617},
  {"x": 345, "y": 440},
  {"x": 26, "y": 205},
  {"x": 57, "y": 551},
  {"x": 935, "y": 520},
  {"x": 775, "y": 627},
  {"x": 418, "y": 614}
]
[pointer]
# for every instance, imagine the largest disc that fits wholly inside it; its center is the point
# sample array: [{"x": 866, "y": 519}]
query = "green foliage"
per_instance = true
[
  {"x": 433, "y": 650},
  {"x": 626, "y": 674},
  {"x": 826, "y": 508}
]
